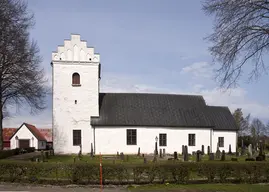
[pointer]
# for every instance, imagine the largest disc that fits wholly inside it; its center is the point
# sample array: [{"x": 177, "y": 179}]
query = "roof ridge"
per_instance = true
[
  {"x": 147, "y": 93},
  {"x": 217, "y": 106},
  {"x": 33, "y": 129}
]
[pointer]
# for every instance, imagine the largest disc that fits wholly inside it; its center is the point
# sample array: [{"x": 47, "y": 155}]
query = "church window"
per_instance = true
[
  {"x": 131, "y": 136},
  {"x": 191, "y": 139},
  {"x": 162, "y": 139},
  {"x": 221, "y": 141},
  {"x": 76, "y": 137},
  {"x": 75, "y": 79}
]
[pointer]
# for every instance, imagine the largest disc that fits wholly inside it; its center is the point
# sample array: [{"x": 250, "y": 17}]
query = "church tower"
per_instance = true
[{"x": 75, "y": 77}]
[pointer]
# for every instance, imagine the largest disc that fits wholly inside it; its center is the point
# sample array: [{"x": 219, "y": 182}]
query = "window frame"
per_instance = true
[
  {"x": 192, "y": 141},
  {"x": 162, "y": 139},
  {"x": 131, "y": 136},
  {"x": 76, "y": 138},
  {"x": 76, "y": 79},
  {"x": 221, "y": 143}
]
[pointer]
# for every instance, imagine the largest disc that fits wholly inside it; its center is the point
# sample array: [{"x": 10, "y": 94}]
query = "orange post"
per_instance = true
[{"x": 101, "y": 183}]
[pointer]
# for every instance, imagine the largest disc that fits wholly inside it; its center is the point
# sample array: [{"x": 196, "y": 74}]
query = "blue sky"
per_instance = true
[{"x": 145, "y": 46}]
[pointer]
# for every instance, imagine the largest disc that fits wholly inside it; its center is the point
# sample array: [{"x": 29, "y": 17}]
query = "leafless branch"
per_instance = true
[
  {"x": 240, "y": 37},
  {"x": 22, "y": 81}
]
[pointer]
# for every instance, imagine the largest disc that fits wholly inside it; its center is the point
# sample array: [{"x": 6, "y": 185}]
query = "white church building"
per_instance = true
[{"x": 124, "y": 122}]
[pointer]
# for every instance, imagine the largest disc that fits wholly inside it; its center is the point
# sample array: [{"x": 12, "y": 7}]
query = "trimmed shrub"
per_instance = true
[
  {"x": 8, "y": 153},
  {"x": 172, "y": 172},
  {"x": 250, "y": 159},
  {"x": 29, "y": 149}
]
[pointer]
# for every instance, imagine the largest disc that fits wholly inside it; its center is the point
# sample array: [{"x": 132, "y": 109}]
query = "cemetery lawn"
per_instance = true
[
  {"x": 131, "y": 159},
  {"x": 203, "y": 188},
  {"x": 96, "y": 159}
]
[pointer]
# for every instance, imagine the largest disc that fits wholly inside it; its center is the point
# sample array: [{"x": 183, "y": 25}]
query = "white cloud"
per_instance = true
[
  {"x": 198, "y": 69},
  {"x": 235, "y": 98},
  {"x": 41, "y": 120}
]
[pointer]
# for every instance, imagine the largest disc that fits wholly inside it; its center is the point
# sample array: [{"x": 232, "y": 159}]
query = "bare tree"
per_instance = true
[
  {"x": 241, "y": 122},
  {"x": 258, "y": 129},
  {"x": 240, "y": 37},
  {"x": 21, "y": 78}
]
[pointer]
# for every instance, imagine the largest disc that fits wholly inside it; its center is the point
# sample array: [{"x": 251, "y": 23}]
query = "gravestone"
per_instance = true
[
  {"x": 91, "y": 150},
  {"x": 122, "y": 156},
  {"x": 118, "y": 154},
  {"x": 145, "y": 160},
  {"x": 243, "y": 151},
  {"x": 186, "y": 154},
  {"x": 223, "y": 155},
  {"x": 250, "y": 151},
  {"x": 127, "y": 158},
  {"x": 46, "y": 154},
  {"x": 175, "y": 155},
  {"x": 186, "y": 150},
  {"x": 80, "y": 152},
  {"x": 237, "y": 152},
  {"x": 198, "y": 156},
  {"x": 156, "y": 148},
  {"x": 230, "y": 149},
  {"x": 211, "y": 156},
  {"x": 138, "y": 153},
  {"x": 260, "y": 149},
  {"x": 183, "y": 150},
  {"x": 208, "y": 150},
  {"x": 218, "y": 152},
  {"x": 163, "y": 152},
  {"x": 203, "y": 150},
  {"x": 261, "y": 153},
  {"x": 42, "y": 155}
]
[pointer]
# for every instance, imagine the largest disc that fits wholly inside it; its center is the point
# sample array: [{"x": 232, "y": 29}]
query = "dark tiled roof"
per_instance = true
[
  {"x": 160, "y": 110},
  {"x": 221, "y": 117}
]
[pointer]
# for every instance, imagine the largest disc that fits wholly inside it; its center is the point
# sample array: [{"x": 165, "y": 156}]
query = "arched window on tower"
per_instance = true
[{"x": 76, "y": 79}]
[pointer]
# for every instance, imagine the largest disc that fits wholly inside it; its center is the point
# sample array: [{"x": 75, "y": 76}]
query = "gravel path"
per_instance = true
[
  {"x": 25, "y": 156},
  {"x": 32, "y": 188}
]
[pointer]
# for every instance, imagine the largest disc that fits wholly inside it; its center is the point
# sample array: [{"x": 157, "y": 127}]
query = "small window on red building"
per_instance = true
[{"x": 75, "y": 79}]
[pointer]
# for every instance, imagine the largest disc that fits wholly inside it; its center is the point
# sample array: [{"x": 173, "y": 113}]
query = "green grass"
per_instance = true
[
  {"x": 206, "y": 158},
  {"x": 96, "y": 159},
  {"x": 203, "y": 188},
  {"x": 131, "y": 159}
]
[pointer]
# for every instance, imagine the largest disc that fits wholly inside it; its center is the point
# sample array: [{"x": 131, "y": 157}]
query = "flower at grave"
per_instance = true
[{"x": 166, "y": 183}]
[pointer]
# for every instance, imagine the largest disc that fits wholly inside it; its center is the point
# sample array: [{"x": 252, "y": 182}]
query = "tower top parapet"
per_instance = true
[{"x": 75, "y": 50}]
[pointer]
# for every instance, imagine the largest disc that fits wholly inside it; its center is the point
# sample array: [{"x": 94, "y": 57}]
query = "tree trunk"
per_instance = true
[{"x": 1, "y": 128}]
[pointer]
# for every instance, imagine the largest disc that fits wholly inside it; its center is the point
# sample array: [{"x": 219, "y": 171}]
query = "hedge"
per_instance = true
[
  {"x": 8, "y": 153},
  {"x": 177, "y": 172}
]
